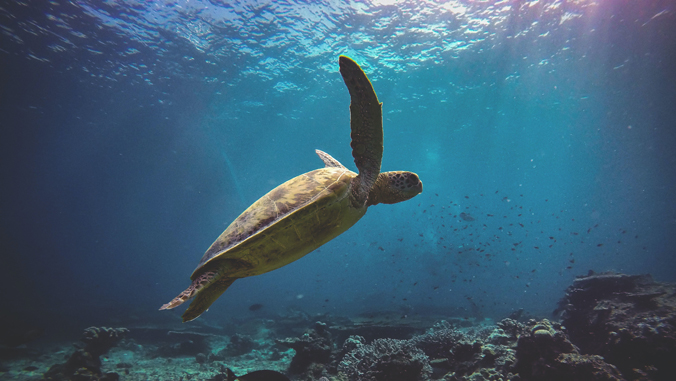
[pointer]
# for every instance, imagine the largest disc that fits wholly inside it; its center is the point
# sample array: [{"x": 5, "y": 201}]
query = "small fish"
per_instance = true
[
  {"x": 255, "y": 307},
  {"x": 259, "y": 375},
  {"x": 466, "y": 216}
]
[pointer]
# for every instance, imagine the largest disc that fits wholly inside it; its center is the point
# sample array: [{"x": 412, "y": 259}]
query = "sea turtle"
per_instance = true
[{"x": 307, "y": 211}]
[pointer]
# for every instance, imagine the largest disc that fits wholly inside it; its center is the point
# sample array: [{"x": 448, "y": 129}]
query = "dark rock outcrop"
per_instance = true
[
  {"x": 545, "y": 353},
  {"x": 627, "y": 319}
]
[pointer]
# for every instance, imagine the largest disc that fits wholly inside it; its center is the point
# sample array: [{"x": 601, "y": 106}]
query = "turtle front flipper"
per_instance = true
[{"x": 366, "y": 121}]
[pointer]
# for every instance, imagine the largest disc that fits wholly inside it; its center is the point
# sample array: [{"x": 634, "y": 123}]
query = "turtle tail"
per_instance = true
[{"x": 196, "y": 286}]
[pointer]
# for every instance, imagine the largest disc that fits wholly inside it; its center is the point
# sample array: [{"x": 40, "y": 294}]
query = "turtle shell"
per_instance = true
[{"x": 289, "y": 222}]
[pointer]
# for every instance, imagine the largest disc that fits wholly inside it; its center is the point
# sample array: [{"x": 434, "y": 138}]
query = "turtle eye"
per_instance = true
[{"x": 412, "y": 180}]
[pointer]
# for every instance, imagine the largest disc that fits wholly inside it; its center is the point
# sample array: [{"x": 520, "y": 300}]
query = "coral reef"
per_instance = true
[
  {"x": 186, "y": 343},
  {"x": 474, "y": 353},
  {"x": 239, "y": 345},
  {"x": 614, "y": 327},
  {"x": 386, "y": 359},
  {"x": 314, "y": 346},
  {"x": 85, "y": 363},
  {"x": 627, "y": 319}
]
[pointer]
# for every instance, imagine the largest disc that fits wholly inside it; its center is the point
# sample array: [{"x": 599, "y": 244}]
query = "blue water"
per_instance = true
[{"x": 133, "y": 133}]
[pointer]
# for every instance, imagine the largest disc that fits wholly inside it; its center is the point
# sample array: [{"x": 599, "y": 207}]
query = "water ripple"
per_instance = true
[{"x": 273, "y": 40}]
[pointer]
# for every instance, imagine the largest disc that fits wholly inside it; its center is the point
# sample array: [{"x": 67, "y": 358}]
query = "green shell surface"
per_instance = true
[{"x": 290, "y": 221}]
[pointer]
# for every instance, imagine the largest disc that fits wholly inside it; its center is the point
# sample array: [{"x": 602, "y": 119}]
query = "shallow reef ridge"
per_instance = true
[{"x": 608, "y": 327}]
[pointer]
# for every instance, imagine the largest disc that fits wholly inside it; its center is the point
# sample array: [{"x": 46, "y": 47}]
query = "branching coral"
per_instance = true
[{"x": 386, "y": 359}]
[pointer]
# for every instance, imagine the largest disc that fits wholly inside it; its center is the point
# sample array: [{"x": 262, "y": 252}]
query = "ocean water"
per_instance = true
[{"x": 134, "y": 132}]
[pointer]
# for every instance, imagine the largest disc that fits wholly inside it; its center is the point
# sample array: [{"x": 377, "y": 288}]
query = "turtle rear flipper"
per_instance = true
[
  {"x": 366, "y": 122},
  {"x": 328, "y": 160},
  {"x": 196, "y": 286},
  {"x": 206, "y": 297}
]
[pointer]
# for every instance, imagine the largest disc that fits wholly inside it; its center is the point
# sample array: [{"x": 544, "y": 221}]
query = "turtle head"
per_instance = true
[{"x": 393, "y": 187}]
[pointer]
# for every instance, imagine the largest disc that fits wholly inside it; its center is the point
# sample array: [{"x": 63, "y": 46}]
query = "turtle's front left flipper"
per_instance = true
[{"x": 366, "y": 122}]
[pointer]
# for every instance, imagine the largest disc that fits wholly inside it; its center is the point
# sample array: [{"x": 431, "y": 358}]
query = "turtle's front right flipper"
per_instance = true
[{"x": 366, "y": 122}]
